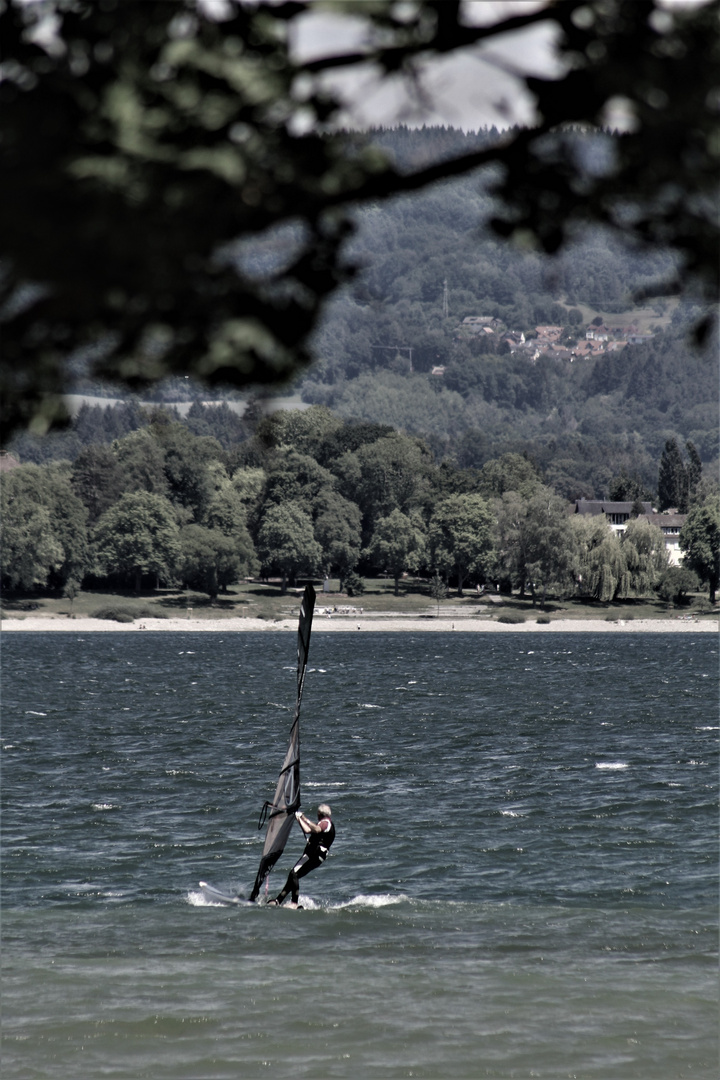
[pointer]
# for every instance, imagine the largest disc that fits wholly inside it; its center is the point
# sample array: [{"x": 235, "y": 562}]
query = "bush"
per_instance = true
[
  {"x": 354, "y": 584},
  {"x": 543, "y": 620},
  {"x": 512, "y": 617},
  {"x": 676, "y": 583},
  {"x": 123, "y": 613},
  {"x": 113, "y": 614}
]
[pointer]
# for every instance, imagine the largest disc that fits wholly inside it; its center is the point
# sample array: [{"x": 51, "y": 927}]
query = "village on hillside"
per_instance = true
[{"x": 554, "y": 340}]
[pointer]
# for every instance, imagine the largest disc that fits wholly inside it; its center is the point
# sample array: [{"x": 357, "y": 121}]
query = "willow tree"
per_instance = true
[
  {"x": 601, "y": 566},
  {"x": 645, "y": 555}
]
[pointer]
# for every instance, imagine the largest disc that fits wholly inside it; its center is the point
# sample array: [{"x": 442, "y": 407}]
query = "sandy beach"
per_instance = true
[{"x": 360, "y": 623}]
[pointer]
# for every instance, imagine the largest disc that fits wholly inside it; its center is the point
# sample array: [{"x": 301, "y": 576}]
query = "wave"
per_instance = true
[
  {"x": 612, "y": 766},
  {"x": 198, "y": 899},
  {"x": 379, "y": 900}
]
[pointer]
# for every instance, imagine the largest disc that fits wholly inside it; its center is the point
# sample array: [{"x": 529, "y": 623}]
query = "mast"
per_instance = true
[{"x": 280, "y": 813}]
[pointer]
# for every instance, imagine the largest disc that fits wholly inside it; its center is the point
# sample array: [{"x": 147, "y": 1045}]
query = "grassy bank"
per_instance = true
[{"x": 264, "y": 600}]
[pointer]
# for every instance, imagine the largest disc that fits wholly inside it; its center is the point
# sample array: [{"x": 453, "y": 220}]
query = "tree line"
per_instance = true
[{"x": 309, "y": 494}]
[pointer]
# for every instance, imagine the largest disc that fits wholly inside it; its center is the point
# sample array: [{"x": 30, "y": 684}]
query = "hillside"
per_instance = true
[{"x": 394, "y": 348}]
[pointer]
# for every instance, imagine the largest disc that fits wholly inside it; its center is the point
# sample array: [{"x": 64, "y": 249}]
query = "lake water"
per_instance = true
[{"x": 524, "y": 881}]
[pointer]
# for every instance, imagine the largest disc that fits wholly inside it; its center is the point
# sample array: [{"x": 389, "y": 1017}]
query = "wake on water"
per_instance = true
[{"x": 197, "y": 898}]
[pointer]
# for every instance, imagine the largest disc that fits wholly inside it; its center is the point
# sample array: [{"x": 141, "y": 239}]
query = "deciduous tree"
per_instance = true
[
  {"x": 392, "y": 473},
  {"x": 676, "y": 583},
  {"x": 438, "y": 590},
  {"x": 227, "y": 514},
  {"x": 209, "y": 560},
  {"x": 138, "y": 536},
  {"x": 337, "y": 530},
  {"x": 30, "y": 547},
  {"x": 44, "y": 528},
  {"x": 460, "y": 538},
  {"x": 398, "y": 544},
  {"x": 286, "y": 544},
  {"x": 548, "y": 543},
  {"x": 700, "y": 542}
]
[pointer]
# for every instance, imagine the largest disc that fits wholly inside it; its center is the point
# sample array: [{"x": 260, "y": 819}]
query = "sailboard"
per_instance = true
[{"x": 280, "y": 813}]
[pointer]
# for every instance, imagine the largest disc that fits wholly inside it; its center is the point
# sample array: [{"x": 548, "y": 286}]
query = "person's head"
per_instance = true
[{"x": 324, "y": 811}]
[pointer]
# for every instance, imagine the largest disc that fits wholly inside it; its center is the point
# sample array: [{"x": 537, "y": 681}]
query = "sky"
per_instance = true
[
  {"x": 472, "y": 89},
  {"x": 475, "y": 88}
]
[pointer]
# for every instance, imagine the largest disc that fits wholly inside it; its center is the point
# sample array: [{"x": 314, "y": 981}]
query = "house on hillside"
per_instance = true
[
  {"x": 597, "y": 333},
  {"x": 588, "y": 348},
  {"x": 478, "y": 324},
  {"x": 670, "y": 523},
  {"x": 514, "y": 338},
  {"x": 639, "y": 339},
  {"x": 617, "y": 514},
  {"x": 549, "y": 333}
]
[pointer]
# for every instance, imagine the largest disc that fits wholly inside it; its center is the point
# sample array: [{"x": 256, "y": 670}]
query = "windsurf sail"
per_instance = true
[{"x": 280, "y": 813}]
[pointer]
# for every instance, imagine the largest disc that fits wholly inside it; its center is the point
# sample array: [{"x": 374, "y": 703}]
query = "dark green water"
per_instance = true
[{"x": 524, "y": 882}]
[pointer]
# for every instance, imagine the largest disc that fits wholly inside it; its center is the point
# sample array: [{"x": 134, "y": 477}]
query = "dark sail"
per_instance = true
[{"x": 280, "y": 813}]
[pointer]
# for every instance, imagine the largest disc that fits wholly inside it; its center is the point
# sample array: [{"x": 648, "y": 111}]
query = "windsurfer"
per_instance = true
[{"x": 320, "y": 836}]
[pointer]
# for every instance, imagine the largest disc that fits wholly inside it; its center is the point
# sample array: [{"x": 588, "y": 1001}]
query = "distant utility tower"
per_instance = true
[{"x": 445, "y": 300}]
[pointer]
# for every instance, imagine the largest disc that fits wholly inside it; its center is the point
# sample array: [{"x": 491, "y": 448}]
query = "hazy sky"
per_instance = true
[{"x": 471, "y": 89}]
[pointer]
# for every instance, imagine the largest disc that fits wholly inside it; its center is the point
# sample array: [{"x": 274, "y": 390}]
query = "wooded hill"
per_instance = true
[{"x": 581, "y": 421}]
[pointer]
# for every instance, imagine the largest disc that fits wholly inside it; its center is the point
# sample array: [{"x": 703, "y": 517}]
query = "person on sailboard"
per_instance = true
[{"x": 320, "y": 836}]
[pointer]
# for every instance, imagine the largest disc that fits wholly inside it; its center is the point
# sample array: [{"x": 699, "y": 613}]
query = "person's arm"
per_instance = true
[{"x": 306, "y": 824}]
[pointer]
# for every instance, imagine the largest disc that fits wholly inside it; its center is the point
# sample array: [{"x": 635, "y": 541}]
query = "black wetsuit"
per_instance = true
[{"x": 314, "y": 855}]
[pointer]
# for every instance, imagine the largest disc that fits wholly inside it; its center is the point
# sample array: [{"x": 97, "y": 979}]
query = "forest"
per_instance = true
[{"x": 211, "y": 500}]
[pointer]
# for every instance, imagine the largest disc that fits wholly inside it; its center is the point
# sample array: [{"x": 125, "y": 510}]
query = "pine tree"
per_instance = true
[
  {"x": 672, "y": 479},
  {"x": 693, "y": 469}
]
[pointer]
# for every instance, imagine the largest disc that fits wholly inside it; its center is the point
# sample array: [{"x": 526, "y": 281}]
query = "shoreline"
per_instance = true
[{"x": 359, "y": 624}]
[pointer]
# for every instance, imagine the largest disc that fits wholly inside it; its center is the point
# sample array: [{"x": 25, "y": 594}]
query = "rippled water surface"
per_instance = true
[{"x": 524, "y": 882}]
